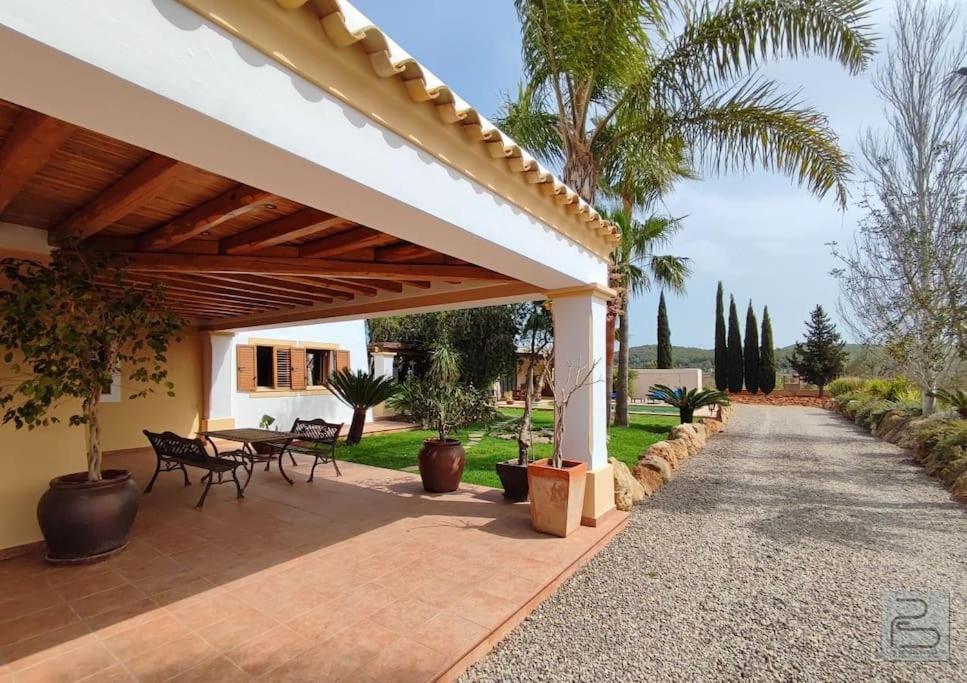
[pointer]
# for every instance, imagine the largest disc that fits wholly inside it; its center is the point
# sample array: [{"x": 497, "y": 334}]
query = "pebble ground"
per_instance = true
[{"x": 764, "y": 559}]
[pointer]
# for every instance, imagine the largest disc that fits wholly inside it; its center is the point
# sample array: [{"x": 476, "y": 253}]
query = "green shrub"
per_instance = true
[
  {"x": 924, "y": 434},
  {"x": 843, "y": 385},
  {"x": 869, "y": 412},
  {"x": 948, "y": 457}
]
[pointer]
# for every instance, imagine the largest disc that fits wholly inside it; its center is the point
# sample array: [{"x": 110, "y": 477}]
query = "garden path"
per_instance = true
[{"x": 765, "y": 558}]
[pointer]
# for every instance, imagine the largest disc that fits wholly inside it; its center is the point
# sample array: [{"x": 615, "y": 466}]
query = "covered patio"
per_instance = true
[
  {"x": 361, "y": 577},
  {"x": 274, "y": 164}
]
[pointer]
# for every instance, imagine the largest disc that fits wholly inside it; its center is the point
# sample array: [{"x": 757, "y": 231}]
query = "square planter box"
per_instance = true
[{"x": 557, "y": 496}]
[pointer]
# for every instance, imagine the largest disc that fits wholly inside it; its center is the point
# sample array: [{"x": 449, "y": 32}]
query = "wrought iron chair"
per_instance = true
[
  {"x": 316, "y": 438},
  {"x": 176, "y": 452}
]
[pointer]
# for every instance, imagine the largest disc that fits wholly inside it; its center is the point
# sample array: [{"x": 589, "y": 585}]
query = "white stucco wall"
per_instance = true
[{"x": 248, "y": 409}]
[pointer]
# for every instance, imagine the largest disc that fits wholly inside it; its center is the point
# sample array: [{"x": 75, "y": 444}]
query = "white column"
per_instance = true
[
  {"x": 219, "y": 378},
  {"x": 383, "y": 367},
  {"x": 579, "y": 331}
]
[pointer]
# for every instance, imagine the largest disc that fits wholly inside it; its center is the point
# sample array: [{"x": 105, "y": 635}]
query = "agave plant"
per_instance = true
[
  {"x": 955, "y": 398},
  {"x": 687, "y": 401},
  {"x": 360, "y": 390}
]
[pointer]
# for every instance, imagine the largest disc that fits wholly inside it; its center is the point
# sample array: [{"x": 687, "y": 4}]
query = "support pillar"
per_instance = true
[
  {"x": 579, "y": 341},
  {"x": 218, "y": 380}
]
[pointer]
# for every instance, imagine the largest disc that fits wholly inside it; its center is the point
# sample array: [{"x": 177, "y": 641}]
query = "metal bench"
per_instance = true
[
  {"x": 316, "y": 438},
  {"x": 176, "y": 452}
]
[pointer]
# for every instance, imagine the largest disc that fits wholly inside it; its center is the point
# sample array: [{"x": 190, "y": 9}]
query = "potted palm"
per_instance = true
[
  {"x": 67, "y": 328},
  {"x": 556, "y": 484},
  {"x": 360, "y": 390},
  {"x": 687, "y": 401}
]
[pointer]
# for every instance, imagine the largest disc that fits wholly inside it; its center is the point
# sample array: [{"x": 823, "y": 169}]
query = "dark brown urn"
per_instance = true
[
  {"x": 84, "y": 521},
  {"x": 513, "y": 477},
  {"x": 441, "y": 465}
]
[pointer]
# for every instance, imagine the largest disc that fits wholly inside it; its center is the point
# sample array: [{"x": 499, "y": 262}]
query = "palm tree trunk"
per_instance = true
[
  {"x": 356, "y": 426},
  {"x": 524, "y": 433},
  {"x": 624, "y": 357},
  {"x": 608, "y": 361}
]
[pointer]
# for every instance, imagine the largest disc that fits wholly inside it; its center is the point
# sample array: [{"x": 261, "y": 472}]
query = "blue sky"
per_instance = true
[{"x": 760, "y": 234}]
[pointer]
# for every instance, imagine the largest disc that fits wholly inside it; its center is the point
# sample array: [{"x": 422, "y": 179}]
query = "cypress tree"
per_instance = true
[
  {"x": 767, "y": 356},
  {"x": 822, "y": 357},
  {"x": 664, "y": 336},
  {"x": 721, "y": 353},
  {"x": 751, "y": 353},
  {"x": 736, "y": 373}
]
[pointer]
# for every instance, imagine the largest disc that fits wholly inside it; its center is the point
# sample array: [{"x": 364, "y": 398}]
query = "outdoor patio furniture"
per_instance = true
[
  {"x": 176, "y": 452},
  {"x": 248, "y": 437},
  {"x": 316, "y": 438}
]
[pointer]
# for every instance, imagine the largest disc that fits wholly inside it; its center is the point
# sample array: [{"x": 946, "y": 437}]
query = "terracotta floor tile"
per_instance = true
[
  {"x": 171, "y": 659},
  {"x": 69, "y": 666},
  {"x": 483, "y": 608},
  {"x": 30, "y": 602},
  {"x": 34, "y": 650},
  {"x": 207, "y": 609},
  {"x": 406, "y": 661},
  {"x": 88, "y": 585},
  {"x": 239, "y": 627},
  {"x": 129, "y": 644},
  {"x": 215, "y": 669},
  {"x": 31, "y": 625},
  {"x": 405, "y": 616},
  {"x": 123, "y": 617},
  {"x": 450, "y": 634},
  {"x": 194, "y": 588},
  {"x": 105, "y": 601},
  {"x": 112, "y": 674},
  {"x": 269, "y": 650}
]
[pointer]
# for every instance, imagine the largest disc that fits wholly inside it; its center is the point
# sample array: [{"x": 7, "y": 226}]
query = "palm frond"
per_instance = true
[
  {"x": 361, "y": 389},
  {"x": 528, "y": 120}
]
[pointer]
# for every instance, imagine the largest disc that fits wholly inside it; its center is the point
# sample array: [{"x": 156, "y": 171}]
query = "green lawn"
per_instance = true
[{"x": 399, "y": 450}]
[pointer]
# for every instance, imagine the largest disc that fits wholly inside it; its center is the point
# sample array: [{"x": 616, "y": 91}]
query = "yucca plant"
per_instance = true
[
  {"x": 360, "y": 390},
  {"x": 687, "y": 401},
  {"x": 955, "y": 398}
]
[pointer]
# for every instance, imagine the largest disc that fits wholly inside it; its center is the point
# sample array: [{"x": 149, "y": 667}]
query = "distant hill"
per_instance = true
[{"x": 692, "y": 357}]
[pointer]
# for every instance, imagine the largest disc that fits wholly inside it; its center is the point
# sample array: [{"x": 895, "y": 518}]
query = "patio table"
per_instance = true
[{"x": 249, "y": 436}]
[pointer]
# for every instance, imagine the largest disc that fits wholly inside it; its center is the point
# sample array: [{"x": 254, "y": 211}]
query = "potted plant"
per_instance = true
[
  {"x": 538, "y": 330},
  {"x": 557, "y": 485},
  {"x": 360, "y": 390},
  {"x": 67, "y": 328},
  {"x": 687, "y": 401},
  {"x": 263, "y": 448}
]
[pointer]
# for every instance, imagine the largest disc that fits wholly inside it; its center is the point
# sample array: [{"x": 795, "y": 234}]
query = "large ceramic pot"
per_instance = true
[
  {"x": 513, "y": 477},
  {"x": 557, "y": 496},
  {"x": 83, "y": 520},
  {"x": 441, "y": 465}
]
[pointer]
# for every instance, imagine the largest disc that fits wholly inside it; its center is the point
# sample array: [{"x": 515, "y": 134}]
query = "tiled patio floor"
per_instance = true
[{"x": 360, "y": 578}]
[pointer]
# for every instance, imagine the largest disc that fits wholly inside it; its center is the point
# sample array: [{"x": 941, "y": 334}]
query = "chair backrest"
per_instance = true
[
  {"x": 170, "y": 445},
  {"x": 317, "y": 430}
]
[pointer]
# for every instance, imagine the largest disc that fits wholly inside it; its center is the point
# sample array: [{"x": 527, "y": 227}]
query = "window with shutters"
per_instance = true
[{"x": 289, "y": 366}]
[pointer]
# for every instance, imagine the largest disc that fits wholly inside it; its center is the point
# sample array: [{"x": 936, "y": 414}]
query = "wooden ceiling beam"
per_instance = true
[
  {"x": 399, "y": 253},
  {"x": 345, "y": 242},
  {"x": 236, "y": 202},
  {"x": 351, "y": 286},
  {"x": 420, "y": 284},
  {"x": 272, "y": 287},
  {"x": 236, "y": 292},
  {"x": 175, "y": 296},
  {"x": 28, "y": 147},
  {"x": 286, "y": 229},
  {"x": 135, "y": 189},
  {"x": 187, "y": 287},
  {"x": 388, "y": 285},
  {"x": 270, "y": 266}
]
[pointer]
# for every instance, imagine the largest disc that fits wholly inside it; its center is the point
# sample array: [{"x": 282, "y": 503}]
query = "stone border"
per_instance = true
[{"x": 657, "y": 465}]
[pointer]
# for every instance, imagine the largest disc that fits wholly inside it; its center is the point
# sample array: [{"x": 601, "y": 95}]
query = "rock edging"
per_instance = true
[{"x": 657, "y": 465}]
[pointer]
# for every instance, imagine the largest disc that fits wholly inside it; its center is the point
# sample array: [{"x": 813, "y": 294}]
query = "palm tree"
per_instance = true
[
  {"x": 609, "y": 87},
  {"x": 635, "y": 267},
  {"x": 360, "y": 390}
]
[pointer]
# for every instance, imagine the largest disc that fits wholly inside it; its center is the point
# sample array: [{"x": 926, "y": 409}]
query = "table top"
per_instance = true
[{"x": 250, "y": 435}]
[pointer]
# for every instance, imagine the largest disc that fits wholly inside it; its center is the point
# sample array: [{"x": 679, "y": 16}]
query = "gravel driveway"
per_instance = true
[{"x": 763, "y": 559}]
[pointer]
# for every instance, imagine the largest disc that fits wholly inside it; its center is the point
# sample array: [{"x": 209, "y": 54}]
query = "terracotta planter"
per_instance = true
[
  {"x": 513, "y": 477},
  {"x": 557, "y": 496},
  {"x": 441, "y": 465},
  {"x": 83, "y": 521}
]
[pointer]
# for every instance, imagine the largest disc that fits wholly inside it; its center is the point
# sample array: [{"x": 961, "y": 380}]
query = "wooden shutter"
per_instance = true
[
  {"x": 342, "y": 359},
  {"x": 245, "y": 367},
  {"x": 297, "y": 357},
  {"x": 283, "y": 368}
]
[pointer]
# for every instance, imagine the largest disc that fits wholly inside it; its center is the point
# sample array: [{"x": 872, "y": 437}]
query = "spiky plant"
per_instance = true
[
  {"x": 955, "y": 398},
  {"x": 688, "y": 401},
  {"x": 360, "y": 390}
]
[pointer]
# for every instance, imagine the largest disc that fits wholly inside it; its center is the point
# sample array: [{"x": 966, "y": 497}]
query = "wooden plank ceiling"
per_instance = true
[{"x": 219, "y": 248}]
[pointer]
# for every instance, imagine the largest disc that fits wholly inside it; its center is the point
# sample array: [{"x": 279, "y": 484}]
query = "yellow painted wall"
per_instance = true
[{"x": 121, "y": 423}]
